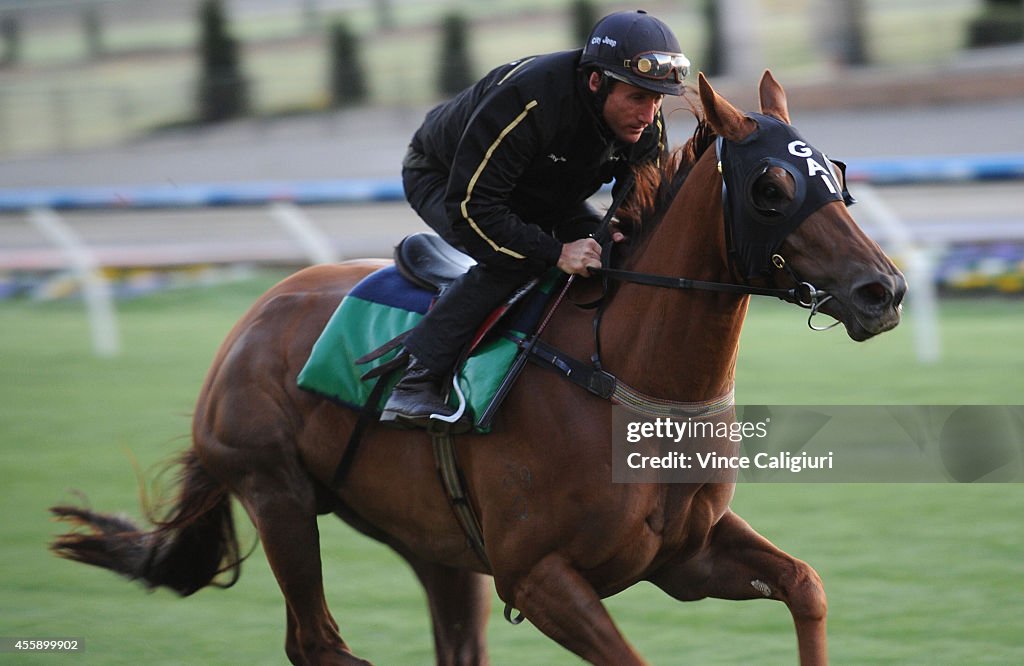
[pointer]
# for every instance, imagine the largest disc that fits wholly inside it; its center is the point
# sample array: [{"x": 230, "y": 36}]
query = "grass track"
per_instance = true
[{"x": 915, "y": 573}]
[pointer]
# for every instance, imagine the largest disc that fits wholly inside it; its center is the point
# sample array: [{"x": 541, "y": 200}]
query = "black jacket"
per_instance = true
[{"x": 523, "y": 149}]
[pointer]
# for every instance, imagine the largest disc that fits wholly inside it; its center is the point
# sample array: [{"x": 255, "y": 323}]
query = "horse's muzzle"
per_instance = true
[{"x": 871, "y": 306}]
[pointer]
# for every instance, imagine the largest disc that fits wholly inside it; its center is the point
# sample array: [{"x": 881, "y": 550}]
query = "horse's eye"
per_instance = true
[{"x": 769, "y": 197}]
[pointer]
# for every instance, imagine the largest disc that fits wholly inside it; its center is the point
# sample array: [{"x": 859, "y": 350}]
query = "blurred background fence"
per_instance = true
[{"x": 76, "y": 73}]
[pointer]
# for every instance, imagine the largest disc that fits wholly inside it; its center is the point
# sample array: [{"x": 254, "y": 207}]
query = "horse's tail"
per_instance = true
[{"x": 186, "y": 551}]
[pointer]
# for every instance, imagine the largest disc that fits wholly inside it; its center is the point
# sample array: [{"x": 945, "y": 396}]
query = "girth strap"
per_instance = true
[{"x": 454, "y": 486}]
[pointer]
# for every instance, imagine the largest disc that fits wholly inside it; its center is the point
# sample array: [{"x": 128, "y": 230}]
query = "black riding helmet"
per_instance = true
[{"x": 639, "y": 49}]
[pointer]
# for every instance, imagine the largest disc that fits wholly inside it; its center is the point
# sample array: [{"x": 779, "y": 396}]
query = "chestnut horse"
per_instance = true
[{"x": 559, "y": 535}]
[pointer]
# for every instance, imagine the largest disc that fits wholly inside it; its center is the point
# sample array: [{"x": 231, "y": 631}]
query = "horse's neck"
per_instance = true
[{"x": 679, "y": 344}]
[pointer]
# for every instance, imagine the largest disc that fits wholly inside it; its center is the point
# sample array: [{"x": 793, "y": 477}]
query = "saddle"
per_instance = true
[{"x": 429, "y": 262}]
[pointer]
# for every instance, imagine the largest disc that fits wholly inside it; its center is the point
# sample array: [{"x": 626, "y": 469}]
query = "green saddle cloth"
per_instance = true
[{"x": 384, "y": 305}]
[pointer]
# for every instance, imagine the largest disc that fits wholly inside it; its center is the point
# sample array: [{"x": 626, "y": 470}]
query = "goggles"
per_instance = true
[{"x": 659, "y": 65}]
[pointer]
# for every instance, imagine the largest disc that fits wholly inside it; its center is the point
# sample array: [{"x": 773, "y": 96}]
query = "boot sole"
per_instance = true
[{"x": 403, "y": 422}]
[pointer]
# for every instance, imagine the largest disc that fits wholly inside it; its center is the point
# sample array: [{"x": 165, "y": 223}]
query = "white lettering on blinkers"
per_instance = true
[{"x": 801, "y": 149}]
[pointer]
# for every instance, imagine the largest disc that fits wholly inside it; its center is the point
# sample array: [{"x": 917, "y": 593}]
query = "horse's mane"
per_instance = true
[{"x": 658, "y": 183}]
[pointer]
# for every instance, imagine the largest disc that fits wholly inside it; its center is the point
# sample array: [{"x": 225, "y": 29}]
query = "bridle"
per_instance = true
[
  {"x": 811, "y": 298},
  {"x": 804, "y": 294}
]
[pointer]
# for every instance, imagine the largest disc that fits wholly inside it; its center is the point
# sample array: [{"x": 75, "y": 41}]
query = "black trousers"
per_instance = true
[{"x": 449, "y": 326}]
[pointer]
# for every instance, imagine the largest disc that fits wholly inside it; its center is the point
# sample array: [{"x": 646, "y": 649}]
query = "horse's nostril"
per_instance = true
[{"x": 873, "y": 294}]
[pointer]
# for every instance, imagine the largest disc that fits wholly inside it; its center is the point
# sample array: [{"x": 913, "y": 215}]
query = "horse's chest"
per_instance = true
[{"x": 684, "y": 521}]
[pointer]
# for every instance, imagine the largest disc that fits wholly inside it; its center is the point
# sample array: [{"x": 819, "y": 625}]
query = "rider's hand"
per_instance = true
[
  {"x": 579, "y": 256},
  {"x": 619, "y": 231}
]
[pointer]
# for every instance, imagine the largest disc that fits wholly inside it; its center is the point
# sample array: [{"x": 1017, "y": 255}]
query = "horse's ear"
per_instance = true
[
  {"x": 773, "y": 97},
  {"x": 728, "y": 121}
]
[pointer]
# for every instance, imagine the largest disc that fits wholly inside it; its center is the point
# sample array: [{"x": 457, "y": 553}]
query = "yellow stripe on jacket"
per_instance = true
[{"x": 480, "y": 169}]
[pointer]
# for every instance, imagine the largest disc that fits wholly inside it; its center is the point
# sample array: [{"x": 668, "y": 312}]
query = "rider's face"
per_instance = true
[{"x": 628, "y": 110}]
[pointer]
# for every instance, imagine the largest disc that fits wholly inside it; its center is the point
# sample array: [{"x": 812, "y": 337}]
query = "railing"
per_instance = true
[
  {"x": 284, "y": 202},
  {"x": 883, "y": 171}
]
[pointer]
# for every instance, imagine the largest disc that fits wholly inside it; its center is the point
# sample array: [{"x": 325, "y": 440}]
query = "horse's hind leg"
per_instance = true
[
  {"x": 460, "y": 603},
  {"x": 739, "y": 563},
  {"x": 285, "y": 518}
]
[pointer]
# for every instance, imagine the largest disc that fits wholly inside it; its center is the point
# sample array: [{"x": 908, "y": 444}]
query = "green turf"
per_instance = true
[{"x": 915, "y": 573}]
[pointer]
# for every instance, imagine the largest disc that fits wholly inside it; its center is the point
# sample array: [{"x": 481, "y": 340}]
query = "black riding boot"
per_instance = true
[{"x": 416, "y": 396}]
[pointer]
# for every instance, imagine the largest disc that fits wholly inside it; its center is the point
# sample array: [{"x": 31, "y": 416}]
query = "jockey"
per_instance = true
[{"x": 503, "y": 172}]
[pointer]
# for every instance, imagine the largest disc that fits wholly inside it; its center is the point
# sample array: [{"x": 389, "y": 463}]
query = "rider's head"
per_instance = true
[
  {"x": 640, "y": 52},
  {"x": 638, "y": 49}
]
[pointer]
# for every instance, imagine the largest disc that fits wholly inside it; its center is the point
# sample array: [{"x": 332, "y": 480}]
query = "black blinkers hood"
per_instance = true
[{"x": 754, "y": 234}]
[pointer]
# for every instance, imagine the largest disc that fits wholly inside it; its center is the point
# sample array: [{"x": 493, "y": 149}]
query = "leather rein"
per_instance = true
[{"x": 805, "y": 294}]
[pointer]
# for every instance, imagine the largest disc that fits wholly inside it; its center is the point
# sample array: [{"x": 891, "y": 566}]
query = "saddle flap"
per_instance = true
[{"x": 429, "y": 262}]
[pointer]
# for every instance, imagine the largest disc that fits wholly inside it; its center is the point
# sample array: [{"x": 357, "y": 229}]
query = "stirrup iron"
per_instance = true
[{"x": 454, "y": 418}]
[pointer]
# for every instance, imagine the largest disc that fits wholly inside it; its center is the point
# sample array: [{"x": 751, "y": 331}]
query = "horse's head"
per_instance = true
[{"x": 787, "y": 220}]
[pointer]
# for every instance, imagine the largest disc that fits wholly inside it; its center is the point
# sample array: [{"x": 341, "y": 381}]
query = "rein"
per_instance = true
[
  {"x": 793, "y": 295},
  {"x": 805, "y": 294}
]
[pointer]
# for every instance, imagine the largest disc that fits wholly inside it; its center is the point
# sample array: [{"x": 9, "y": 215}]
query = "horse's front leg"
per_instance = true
[
  {"x": 562, "y": 604},
  {"x": 739, "y": 563}
]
